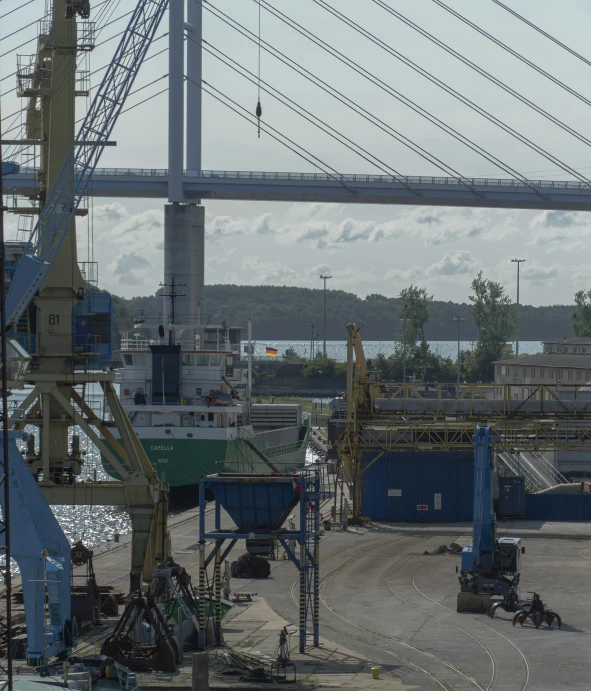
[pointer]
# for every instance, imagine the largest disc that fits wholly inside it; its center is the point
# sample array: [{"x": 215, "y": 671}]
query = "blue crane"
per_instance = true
[
  {"x": 490, "y": 565},
  {"x": 490, "y": 568},
  {"x": 73, "y": 181},
  {"x": 40, "y": 547}
]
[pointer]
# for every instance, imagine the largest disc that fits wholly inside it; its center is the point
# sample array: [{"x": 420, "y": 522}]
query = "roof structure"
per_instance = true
[
  {"x": 549, "y": 360},
  {"x": 574, "y": 340}
]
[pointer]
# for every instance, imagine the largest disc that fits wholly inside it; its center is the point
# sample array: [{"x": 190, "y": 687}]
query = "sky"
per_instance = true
[{"x": 366, "y": 248}]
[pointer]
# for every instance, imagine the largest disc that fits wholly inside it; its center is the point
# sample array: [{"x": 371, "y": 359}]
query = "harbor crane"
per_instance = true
[
  {"x": 48, "y": 276},
  {"x": 360, "y": 400},
  {"x": 491, "y": 566}
]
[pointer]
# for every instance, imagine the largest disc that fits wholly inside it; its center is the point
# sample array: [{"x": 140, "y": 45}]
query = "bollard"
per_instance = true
[{"x": 200, "y": 678}]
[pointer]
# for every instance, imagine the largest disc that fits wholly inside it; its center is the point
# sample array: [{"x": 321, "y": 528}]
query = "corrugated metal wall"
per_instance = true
[
  {"x": 419, "y": 486},
  {"x": 558, "y": 507}
]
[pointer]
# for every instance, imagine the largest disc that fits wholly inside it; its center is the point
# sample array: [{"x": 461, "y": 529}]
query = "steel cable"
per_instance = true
[
  {"x": 313, "y": 119},
  {"x": 339, "y": 96},
  {"x": 484, "y": 73},
  {"x": 544, "y": 33},
  {"x": 457, "y": 95},
  {"x": 512, "y": 52}
]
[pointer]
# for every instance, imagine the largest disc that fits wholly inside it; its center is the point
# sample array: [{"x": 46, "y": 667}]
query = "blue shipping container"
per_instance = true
[
  {"x": 415, "y": 486},
  {"x": 512, "y": 497}
]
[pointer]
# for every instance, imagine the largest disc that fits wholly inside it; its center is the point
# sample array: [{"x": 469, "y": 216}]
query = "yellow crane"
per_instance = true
[
  {"x": 362, "y": 390},
  {"x": 55, "y": 402}
]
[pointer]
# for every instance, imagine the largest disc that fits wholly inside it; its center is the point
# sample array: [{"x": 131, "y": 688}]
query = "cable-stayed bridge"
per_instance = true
[
  {"x": 319, "y": 187},
  {"x": 185, "y": 181}
]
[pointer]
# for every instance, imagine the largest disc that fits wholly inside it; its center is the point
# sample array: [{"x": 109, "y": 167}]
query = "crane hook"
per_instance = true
[{"x": 259, "y": 112}]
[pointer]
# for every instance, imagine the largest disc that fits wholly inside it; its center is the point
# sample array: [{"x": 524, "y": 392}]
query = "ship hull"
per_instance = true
[{"x": 181, "y": 462}]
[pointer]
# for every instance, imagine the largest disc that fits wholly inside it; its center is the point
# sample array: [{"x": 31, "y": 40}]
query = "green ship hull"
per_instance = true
[{"x": 182, "y": 462}]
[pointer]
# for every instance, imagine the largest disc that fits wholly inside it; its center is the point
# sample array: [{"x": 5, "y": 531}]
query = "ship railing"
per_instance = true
[{"x": 136, "y": 343}]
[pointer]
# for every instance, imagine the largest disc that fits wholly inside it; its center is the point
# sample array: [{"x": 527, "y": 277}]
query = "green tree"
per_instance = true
[
  {"x": 494, "y": 314},
  {"x": 292, "y": 357},
  {"x": 411, "y": 345},
  {"x": 320, "y": 363},
  {"x": 580, "y": 317},
  {"x": 414, "y": 311}
]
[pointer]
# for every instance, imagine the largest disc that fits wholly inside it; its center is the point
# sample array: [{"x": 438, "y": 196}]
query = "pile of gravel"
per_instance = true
[
  {"x": 250, "y": 566},
  {"x": 454, "y": 549}
]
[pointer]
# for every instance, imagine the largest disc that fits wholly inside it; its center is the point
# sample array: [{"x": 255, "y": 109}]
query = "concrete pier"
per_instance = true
[{"x": 184, "y": 259}]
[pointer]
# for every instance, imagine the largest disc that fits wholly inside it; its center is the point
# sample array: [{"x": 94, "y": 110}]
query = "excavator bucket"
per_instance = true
[
  {"x": 552, "y": 617},
  {"x": 469, "y": 602}
]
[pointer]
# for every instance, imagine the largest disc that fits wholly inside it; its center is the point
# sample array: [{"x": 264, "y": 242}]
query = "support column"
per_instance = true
[
  {"x": 176, "y": 98},
  {"x": 184, "y": 258},
  {"x": 194, "y": 75}
]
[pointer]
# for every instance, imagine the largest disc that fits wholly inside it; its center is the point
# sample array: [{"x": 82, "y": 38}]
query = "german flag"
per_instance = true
[{"x": 270, "y": 352}]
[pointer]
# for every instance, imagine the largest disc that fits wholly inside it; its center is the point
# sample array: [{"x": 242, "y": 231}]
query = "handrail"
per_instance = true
[{"x": 525, "y": 184}]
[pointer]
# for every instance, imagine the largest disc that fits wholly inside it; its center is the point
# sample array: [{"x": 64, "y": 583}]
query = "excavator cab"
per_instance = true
[{"x": 510, "y": 555}]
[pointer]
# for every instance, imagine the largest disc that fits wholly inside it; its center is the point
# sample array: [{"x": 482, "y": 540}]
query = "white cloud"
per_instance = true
[
  {"x": 130, "y": 268},
  {"x": 112, "y": 213},
  {"x": 559, "y": 219},
  {"x": 461, "y": 262},
  {"x": 267, "y": 271}
]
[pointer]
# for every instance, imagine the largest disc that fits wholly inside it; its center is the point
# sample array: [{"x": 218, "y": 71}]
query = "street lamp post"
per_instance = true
[
  {"x": 311, "y": 325},
  {"x": 458, "y": 321},
  {"x": 325, "y": 278},
  {"x": 518, "y": 262},
  {"x": 320, "y": 373}
]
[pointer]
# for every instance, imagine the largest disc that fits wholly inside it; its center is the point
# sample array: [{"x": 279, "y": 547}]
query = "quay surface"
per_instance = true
[{"x": 387, "y": 603}]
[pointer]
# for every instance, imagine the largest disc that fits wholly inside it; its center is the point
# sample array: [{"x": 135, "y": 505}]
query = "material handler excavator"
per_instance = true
[{"x": 490, "y": 568}]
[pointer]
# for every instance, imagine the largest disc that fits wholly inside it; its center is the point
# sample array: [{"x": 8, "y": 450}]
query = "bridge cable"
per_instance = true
[
  {"x": 20, "y": 7},
  {"x": 512, "y": 52},
  {"x": 492, "y": 159},
  {"x": 259, "y": 110},
  {"x": 541, "y": 31},
  {"x": 403, "y": 99},
  {"x": 484, "y": 73},
  {"x": 313, "y": 119},
  {"x": 359, "y": 110},
  {"x": 457, "y": 95},
  {"x": 314, "y": 79},
  {"x": 295, "y": 150}
]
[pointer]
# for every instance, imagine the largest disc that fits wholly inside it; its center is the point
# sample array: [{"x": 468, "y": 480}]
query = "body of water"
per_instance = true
[{"x": 338, "y": 349}]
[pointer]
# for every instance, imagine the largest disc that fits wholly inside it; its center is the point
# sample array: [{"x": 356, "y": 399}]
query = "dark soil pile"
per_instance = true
[
  {"x": 454, "y": 548},
  {"x": 250, "y": 566}
]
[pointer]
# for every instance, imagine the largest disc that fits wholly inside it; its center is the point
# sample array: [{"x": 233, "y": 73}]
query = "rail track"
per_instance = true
[{"x": 414, "y": 664}]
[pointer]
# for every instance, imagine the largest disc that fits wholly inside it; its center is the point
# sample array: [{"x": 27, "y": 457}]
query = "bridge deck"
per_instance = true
[{"x": 318, "y": 187}]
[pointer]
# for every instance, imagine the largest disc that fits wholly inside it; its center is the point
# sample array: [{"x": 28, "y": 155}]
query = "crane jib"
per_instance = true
[{"x": 72, "y": 183}]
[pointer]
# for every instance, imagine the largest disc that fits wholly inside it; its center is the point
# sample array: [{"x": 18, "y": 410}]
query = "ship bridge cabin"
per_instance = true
[{"x": 165, "y": 385}]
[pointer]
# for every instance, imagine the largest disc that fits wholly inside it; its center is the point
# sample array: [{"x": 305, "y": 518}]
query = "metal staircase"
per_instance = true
[{"x": 537, "y": 470}]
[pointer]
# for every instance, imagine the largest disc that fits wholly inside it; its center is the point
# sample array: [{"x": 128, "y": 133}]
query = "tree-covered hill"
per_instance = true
[{"x": 284, "y": 313}]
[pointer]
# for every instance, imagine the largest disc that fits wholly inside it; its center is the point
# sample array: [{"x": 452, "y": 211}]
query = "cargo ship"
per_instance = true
[{"x": 191, "y": 410}]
